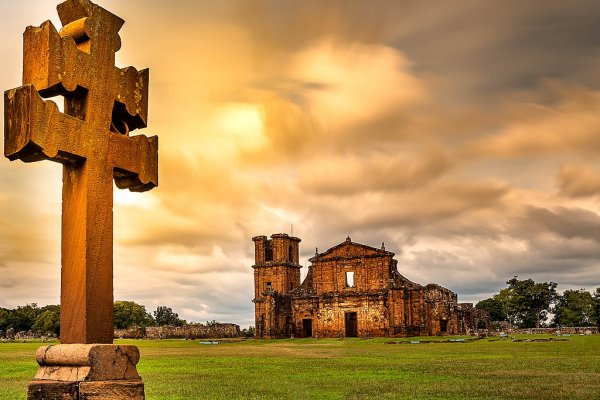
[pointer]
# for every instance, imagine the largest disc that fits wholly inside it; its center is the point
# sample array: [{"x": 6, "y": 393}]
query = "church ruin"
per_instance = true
[{"x": 351, "y": 290}]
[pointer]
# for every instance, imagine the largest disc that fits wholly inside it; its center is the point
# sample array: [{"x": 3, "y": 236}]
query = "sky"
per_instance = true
[{"x": 465, "y": 137}]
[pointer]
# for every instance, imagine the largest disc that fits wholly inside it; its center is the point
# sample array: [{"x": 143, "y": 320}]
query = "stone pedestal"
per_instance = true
[{"x": 86, "y": 372}]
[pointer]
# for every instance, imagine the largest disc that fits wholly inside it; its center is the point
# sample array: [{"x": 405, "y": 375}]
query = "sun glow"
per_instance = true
[
  {"x": 242, "y": 124},
  {"x": 127, "y": 198}
]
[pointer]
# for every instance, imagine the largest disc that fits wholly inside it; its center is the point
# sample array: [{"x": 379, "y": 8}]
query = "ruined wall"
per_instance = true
[
  {"x": 193, "y": 331},
  {"x": 442, "y": 311},
  {"x": 282, "y": 279},
  {"x": 273, "y": 316},
  {"x": 328, "y": 315},
  {"x": 370, "y": 274},
  {"x": 406, "y": 312},
  {"x": 371, "y": 269},
  {"x": 281, "y": 248}
]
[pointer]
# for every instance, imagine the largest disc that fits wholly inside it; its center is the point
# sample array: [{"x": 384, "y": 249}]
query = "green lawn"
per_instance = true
[{"x": 348, "y": 369}]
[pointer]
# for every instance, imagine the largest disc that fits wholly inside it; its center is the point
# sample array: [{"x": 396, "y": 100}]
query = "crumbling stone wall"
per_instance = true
[
  {"x": 328, "y": 313},
  {"x": 192, "y": 331},
  {"x": 570, "y": 330}
]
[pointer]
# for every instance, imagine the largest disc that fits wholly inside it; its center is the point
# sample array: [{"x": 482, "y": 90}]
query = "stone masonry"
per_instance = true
[{"x": 351, "y": 290}]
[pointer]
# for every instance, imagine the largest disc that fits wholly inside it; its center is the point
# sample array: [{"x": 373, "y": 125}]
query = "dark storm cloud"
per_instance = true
[
  {"x": 288, "y": 25},
  {"x": 487, "y": 46},
  {"x": 567, "y": 222}
]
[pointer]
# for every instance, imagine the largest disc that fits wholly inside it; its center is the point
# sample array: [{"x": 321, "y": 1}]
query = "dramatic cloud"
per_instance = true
[
  {"x": 466, "y": 138},
  {"x": 579, "y": 181}
]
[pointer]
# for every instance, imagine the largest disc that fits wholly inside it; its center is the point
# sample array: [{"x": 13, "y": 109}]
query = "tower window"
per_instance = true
[
  {"x": 291, "y": 253},
  {"x": 349, "y": 279},
  {"x": 268, "y": 253},
  {"x": 269, "y": 286}
]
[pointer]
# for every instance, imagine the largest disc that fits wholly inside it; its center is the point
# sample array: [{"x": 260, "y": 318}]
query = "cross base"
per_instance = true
[{"x": 86, "y": 372}]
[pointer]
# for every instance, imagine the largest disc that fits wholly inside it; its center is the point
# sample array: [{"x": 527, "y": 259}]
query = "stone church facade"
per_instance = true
[{"x": 351, "y": 290}]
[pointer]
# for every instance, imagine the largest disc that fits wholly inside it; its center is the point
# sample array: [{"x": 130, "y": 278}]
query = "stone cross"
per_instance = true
[{"x": 91, "y": 138}]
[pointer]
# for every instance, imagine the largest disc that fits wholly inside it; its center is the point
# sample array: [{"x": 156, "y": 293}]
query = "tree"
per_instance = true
[
  {"x": 3, "y": 319},
  {"x": 164, "y": 315},
  {"x": 129, "y": 313},
  {"x": 530, "y": 302},
  {"x": 248, "y": 333},
  {"x": 597, "y": 306},
  {"x": 48, "y": 321},
  {"x": 575, "y": 308},
  {"x": 505, "y": 299},
  {"x": 22, "y": 318},
  {"x": 494, "y": 308}
]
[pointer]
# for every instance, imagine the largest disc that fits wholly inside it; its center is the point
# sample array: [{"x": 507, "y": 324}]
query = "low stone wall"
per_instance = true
[
  {"x": 193, "y": 331},
  {"x": 11, "y": 334},
  {"x": 584, "y": 330}
]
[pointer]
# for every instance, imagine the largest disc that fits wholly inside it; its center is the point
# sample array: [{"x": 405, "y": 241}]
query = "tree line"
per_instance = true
[
  {"x": 46, "y": 320},
  {"x": 528, "y": 304}
]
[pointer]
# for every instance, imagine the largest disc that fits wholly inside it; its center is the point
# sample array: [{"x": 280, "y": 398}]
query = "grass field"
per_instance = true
[{"x": 348, "y": 369}]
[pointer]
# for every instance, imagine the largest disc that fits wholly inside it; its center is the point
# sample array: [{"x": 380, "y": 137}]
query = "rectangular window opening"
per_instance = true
[{"x": 349, "y": 279}]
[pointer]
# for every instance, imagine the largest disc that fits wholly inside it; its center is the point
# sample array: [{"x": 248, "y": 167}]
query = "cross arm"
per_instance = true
[
  {"x": 135, "y": 161},
  {"x": 35, "y": 129},
  {"x": 133, "y": 97},
  {"x": 52, "y": 62}
]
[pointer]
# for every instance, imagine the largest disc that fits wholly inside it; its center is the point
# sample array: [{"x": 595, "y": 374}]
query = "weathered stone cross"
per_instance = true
[{"x": 91, "y": 139}]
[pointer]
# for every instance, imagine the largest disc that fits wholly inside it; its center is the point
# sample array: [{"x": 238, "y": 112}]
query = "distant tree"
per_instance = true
[
  {"x": 3, "y": 318},
  {"x": 23, "y": 317},
  {"x": 48, "y": 321},
  {"x": 597, "y": 306},
  {"x": 494, "y": 308},
  {"x": 129, "y": 313},
  {"x": 248, "y": 333},
  {"x": 529, "y": 302},
  {"x": 575, "y": 308},
  {"x": 506, "y": 300},
  {"x": 164, "y": 315}
]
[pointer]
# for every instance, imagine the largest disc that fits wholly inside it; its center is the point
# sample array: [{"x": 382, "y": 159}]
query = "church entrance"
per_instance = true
[
  {"x": 351, "y": 324},
  {"x": 443, "y": 325},
  {"x": 307, "y": 327}
]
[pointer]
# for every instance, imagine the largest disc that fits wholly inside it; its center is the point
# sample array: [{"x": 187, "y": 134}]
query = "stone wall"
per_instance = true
[
  {"x": 11, "y": 334},
  {"x": 584, "y": 330},
  {"x": 371, "y": 270},
  {"x": 193, "y": 331},
  {"x": 328, "y": 314}
]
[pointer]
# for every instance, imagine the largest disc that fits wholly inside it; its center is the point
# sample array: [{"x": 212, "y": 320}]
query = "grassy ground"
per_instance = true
[{"x": 349, "y": 369}]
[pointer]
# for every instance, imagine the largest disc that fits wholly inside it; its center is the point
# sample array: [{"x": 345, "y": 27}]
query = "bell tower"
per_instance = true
[{"x": 276, "y": 273}]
